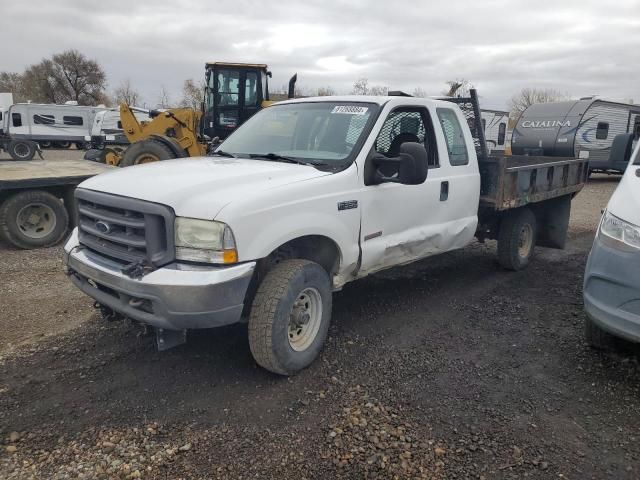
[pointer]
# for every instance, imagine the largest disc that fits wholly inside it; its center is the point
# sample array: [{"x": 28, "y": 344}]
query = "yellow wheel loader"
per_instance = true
[{"x": 233, "y": 93}]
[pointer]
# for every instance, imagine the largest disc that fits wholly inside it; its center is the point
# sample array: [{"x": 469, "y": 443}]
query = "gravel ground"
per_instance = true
[{"x": 446, "y": 368}]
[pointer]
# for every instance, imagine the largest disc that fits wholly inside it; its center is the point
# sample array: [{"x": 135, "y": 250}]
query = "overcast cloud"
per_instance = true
[{"x": 579, "y": 47}]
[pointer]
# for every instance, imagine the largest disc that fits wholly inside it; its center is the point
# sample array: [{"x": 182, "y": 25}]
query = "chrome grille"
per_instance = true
[{"x": 125, "y": 229}]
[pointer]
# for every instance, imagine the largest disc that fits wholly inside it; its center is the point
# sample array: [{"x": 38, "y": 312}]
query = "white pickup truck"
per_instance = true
[{"x": 306, "y": 196}]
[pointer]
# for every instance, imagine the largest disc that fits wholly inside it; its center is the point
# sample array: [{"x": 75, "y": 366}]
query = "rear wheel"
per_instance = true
[
  {"x": 33, "y": 219},
  {"x": 62, "y": 144},
  {"x": 22, "y": 149},
  {"x": 146, "y": 151},
  {"x": 290, "y": 316},
  {"x": 517, "y": 239}
]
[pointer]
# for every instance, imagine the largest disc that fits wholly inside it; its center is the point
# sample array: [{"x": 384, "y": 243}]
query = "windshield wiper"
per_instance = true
[
  {"x": 282, "y": 158},
  {"x": 222, "y": 153}
]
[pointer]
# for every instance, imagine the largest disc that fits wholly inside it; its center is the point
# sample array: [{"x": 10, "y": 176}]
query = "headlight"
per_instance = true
[
  {"x": 204, "y": 241},
  {"x": 618, "y": 233}
]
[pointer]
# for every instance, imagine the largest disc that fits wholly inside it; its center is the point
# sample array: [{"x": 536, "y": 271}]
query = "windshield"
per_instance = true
[{"x": 318, "y": 133}]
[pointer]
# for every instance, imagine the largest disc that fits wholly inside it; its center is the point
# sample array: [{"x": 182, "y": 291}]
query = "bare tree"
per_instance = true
[
  {"x": 125, "y": 93},
  {"x": 164, "y": 98},
  {"x": 378, "y": 90},
  {"x": 11, "y": 82},
  {"x": 361, "y": 87},
  {"x": 325, "y": 91},
  {"x": 419, "y": 92},
  {"x": 192, "y": 94},
  {"x": 528, "y": 96},
  {"x": 458, "y": 88}
]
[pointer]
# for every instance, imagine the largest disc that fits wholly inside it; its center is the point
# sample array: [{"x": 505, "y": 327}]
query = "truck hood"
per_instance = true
[{"x": 200, "y": 187}]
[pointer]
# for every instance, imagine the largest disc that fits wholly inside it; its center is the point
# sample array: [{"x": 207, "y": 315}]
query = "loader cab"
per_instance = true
[{"x": 233, "y": 93}]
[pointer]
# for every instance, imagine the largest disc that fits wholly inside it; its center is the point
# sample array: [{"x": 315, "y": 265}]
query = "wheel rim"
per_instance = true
[
  {"x": 305, "y": 319},
  {"x": 21, "y": 150},
  {"x": 146, "y": 158},
  {"x": 36, "y": 220},
  {"x": 525, "y": 241}
]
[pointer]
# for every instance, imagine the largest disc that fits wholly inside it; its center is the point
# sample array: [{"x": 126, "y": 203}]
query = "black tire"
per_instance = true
[
  {"x": 146, "y": 151},
  {"x": 517, "y": 239},
  {"x": 271, "y": 313},
  {"x": 45, "y": 144},
  {"x": 83, "y": 145},
  {"x": 53, "y": 219},
  {"x": 596, "y": 337},
  {"x": 62, "y": 144},
  {"x": 22, "y": 149}
]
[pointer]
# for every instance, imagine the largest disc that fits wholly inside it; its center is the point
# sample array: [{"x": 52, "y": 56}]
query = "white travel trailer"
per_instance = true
[
  {"x": 45, "y": 124},
  {"x": 107, "y": 127},
  {"x": 582, "y": 128},
  {"x": 6, "y": 100},
  {"x": 494, "y": 123}
]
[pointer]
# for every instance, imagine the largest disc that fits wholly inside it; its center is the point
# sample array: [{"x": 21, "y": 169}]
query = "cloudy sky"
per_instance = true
[{"x": 578, "y": 47}]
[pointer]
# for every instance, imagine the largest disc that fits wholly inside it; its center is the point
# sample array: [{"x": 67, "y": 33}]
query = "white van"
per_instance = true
[{"x": 612, "y": 277}]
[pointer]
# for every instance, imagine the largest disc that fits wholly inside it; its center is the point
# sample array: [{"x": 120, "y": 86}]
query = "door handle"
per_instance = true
[{"x": 444, "y": 191}]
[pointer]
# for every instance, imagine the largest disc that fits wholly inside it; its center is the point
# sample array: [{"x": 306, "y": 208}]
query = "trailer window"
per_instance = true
[
  {"x": 16, "y": 119},
  {"x": 41, "y": 119},
  {"x": 76, "y": 121},
  {"x": 502, "y": 133},
  {"x": 454, "y": 136},
  {"x": 602, "y": 130}
]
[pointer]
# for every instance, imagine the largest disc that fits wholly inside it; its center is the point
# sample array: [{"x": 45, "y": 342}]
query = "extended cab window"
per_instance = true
[
  {"x": 407, "y": 124},
  {"x": 454, "y": 137},
  {"x": 322, "y": 133}
]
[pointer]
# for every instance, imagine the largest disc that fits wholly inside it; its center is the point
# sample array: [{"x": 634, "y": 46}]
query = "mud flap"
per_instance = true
[
  {"x": 553, "y": 221},
  {"x": 166, "y": 339}
]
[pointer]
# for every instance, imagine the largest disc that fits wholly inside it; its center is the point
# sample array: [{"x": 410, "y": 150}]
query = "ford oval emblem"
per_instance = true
[{"x": 103, "y": 227}]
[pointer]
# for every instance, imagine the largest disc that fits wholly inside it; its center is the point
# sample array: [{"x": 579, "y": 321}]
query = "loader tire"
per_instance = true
[
  {"x": 22, "y": 149},
  {"x": 146, "y": 151},
  {"x": 517, "y": 239},
  {"x": 290, "y": 316},
  {"x": 33, "y": 219}
]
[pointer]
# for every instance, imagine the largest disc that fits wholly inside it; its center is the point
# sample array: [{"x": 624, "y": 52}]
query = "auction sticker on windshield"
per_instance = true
[{"x": 349, "y": 109}]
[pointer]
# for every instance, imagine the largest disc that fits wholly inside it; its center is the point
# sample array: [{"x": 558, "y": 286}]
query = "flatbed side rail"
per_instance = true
[{"x": 511, "y": 182}]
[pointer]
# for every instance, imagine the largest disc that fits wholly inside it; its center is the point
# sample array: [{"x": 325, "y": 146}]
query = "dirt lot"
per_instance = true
[{"x": 448, "y": 368}]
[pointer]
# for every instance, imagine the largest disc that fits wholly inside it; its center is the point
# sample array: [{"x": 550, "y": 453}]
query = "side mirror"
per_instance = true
[{"x": 410, "y": 167}]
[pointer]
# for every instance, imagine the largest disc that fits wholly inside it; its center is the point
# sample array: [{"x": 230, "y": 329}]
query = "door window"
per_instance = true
[
  {"x": 502, "y": 132},
  {"x": 251, "y": 89},
  {"x": 407, "y": 125},
  {"x": 16, "y": 119},
  {"x": 602, "y": 131},
  {"x": 454, "y": 137},
  {"x": 228, "y": 87}
]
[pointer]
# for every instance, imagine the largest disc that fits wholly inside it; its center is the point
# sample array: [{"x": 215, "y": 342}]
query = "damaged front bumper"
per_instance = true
[{"x": 174, "y": 297}]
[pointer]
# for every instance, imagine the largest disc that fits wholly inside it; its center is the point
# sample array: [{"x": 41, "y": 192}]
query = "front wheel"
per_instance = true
[
  {"x": 517, "y": 239},
  {"x": 22, "y": 149},
  {"x": 290, "y": 316}
]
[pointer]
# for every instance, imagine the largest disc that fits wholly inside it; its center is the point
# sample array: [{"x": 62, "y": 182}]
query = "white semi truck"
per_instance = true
[{"x": 306, "y": 196}]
